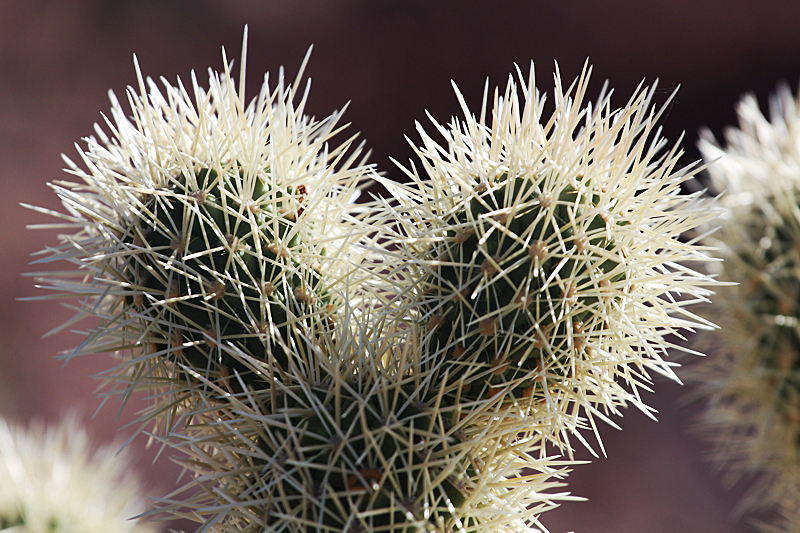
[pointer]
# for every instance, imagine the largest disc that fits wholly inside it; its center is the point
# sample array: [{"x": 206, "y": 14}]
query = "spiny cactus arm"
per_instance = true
[
  {"x": 211, "y": 234},
  {"x": 362, "y": 446},
  {"x": 328, "y": 459},
  {"x": 543, "y": 254}
]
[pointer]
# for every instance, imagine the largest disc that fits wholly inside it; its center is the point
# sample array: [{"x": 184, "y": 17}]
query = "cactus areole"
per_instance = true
[
  {"x": 516, "y": 281},
  {"x": 211, "y": 272}
]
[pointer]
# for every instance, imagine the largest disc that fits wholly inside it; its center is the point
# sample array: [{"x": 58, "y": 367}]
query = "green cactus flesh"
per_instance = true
[
  {"x": 493, "y": 295},
  {"x": 211, "y": 278},
  {"x": 341, "y": 461}
]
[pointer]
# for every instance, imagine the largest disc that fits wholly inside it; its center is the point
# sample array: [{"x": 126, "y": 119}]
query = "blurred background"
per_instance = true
[{"x": 392, "y": 60}]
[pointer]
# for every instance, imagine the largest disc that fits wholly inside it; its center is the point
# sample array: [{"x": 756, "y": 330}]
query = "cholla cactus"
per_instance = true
[
  {"x": 229, "y": 273},
  {"x": 204, "y": 227},
  {"x": 753, "y": 386},
  {"x": 546, "y": 258},
  {"x": 340, "y": 458},
  {"x": 53, "y": 481}
]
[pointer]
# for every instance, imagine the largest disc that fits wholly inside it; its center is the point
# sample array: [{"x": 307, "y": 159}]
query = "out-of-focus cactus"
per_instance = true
[
  {"x": 752, "y": 382},
  {"x": 53, "y": 480},
  {"x": 544, "y": 254}
]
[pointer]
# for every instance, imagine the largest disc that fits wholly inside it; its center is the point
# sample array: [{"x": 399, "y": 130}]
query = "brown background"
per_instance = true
[{"x": 392, "y": 60}]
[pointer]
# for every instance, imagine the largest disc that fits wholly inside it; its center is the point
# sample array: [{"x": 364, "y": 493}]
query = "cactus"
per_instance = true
[
  {"x": 344, "y": 459},
  {"x": 353, "y": 445},
  {"x": 752, "y": 383},
  {"x": 358, "y": 452},
  {"x": 493, "y": 293},
  {"x": 54, "y": 480},
  {"x": 400, "y": 367}
]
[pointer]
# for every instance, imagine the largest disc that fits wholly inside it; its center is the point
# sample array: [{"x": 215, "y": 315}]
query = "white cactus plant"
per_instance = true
[
  {"x": 54, "y": 480},
  {"x": 546, "y": 262},
  {"x": 401, "y": 365}
]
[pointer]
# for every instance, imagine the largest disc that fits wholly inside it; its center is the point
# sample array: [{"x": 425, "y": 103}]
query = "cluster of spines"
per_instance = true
[
  {"x": 54, "y": 480},
  {"x": 515, "y": 280},
  {"x": 368, "y": 461},
  {"x": 212, "y": 276},
  {"x": 359, "y": 452}
]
